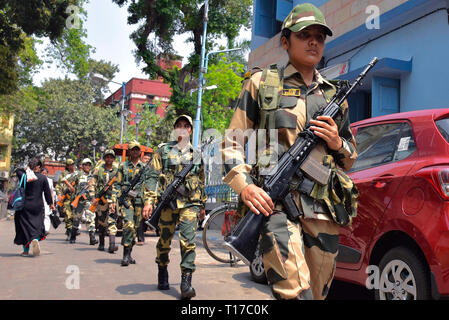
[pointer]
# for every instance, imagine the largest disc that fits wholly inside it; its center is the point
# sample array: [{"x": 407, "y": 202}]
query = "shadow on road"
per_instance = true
[
  {"x": 246, "y": 282},
  {"x": 113, "y": 261},
  {"x": 136, "y": 288},
  {"x": 7, "y": 255}
]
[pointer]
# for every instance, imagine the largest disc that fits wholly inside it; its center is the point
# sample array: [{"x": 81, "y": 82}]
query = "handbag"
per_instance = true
[
  {"x": 54, "y": 219},
  {"x": 16, "y": 201}
]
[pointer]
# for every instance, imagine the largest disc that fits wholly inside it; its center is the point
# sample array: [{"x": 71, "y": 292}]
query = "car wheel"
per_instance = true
[
  {"x": 257, "y": 269},
  {"x": 403, "y": 276}
]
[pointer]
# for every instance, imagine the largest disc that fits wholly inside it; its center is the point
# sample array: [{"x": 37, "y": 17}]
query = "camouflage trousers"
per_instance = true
[
  {"x": 299, "y": 257},
  {"x": 107, "y": 221},
  {"x": 83, "y": 210},
  {"x": 131, "y": 220},
  {"x": 187, "y": 218},
  {"x": 67, "y": 208}
]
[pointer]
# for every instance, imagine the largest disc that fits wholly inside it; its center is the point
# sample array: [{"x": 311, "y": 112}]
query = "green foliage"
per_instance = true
[
  {"x": 19, "y": 20},
  {"x": 70, "y": 49},
  {"x": 61, "y": 120},
  {"x": 160, "y": 20},
  {"x": 217, "y": 103}
]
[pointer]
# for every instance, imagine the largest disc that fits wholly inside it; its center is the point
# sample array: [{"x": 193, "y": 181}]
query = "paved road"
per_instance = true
[{"x": 52, "y": 275}]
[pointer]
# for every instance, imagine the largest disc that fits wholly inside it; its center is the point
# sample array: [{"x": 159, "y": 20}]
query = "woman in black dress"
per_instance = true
[{"x": 29, "y": 221}]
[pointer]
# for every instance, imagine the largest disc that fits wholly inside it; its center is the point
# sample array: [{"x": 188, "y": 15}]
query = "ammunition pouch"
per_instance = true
[{"x": 340, "y": 195}]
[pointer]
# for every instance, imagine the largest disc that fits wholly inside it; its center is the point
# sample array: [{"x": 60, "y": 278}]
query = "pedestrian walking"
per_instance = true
[
  {"x": 299, "y": 255},
  {"x": 48, "y": 211},
  {"x": 166, "y": 163},
  {"x": 29, "y": 222}
]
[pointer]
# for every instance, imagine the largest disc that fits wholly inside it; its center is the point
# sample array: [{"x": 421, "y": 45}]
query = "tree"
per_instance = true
[
  {"x": 161, "y": 20},
  {"x": 217, "y": 103},
  {"x": 20, "y": 20},
  {"x": 61, "y": 120}
]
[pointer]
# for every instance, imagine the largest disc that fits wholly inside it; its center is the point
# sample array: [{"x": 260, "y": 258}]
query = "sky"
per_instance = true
[{"x": 108, "y": 32}]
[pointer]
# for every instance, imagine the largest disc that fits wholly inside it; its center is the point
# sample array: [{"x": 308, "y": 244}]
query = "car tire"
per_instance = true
[
  {"x": 257, "y": 270},
  {"x": 403, "y": 276}
]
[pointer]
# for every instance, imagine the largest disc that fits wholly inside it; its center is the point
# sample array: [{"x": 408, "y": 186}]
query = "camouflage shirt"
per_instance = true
[
  {"x": 125, "y": 173},
  {"x": 100, "y": 178},
  {"x": 297, "y": 104},
  {"x": 61, "y": 186},
  {"x": 82, "y": 184},
  {"x": 167, "y": 162}
]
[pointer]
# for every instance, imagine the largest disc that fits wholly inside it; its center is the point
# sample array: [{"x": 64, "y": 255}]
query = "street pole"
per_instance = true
[
  {"x": 197, "y": 121},
  {"x": 121, "y": 113}
]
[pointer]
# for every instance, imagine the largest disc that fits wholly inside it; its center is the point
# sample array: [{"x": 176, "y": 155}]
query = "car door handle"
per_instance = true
[{"x": 382, "y": 181}]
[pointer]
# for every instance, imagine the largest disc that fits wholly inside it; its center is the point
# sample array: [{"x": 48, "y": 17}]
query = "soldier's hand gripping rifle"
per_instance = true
[
  {"x": 81, "y": 194},
  {"x": 65, "y": 195},
  {"x": 129, "y": 191},
  {"x": 243, "y": 242},
  {"x": 102, "y": 193},
  {"x": 168, "y": 198}
]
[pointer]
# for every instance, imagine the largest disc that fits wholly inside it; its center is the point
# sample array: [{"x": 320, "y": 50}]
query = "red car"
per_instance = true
[{"x": 398, "y": 244}]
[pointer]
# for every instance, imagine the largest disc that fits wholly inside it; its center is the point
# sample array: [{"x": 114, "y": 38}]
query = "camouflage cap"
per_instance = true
[
  {"x": 186, "y": 117},
  {"x": 304, "y": 15},
  {"x": 69, "y": 162},
  {"x": 133, "y": 144},
  {"x": 110, "y": 152}
]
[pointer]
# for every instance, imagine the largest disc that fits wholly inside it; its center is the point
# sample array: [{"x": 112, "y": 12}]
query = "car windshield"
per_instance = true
[{"x": 443, "y": 126}]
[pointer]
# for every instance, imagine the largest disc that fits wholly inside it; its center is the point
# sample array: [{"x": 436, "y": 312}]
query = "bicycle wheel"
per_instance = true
[{"x": 219, "y": 225}]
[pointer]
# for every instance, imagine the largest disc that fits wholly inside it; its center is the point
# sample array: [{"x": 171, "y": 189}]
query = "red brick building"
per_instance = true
[{"x": 138, "y": 91}]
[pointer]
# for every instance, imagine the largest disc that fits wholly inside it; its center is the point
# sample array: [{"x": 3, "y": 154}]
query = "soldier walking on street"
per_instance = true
[
  {"x": 81, "y": 203},
  {"x": 131, "y": 211},
  {"x": 299, "y": 253},
  {"x": 64, "y": 187},
  {"x": 107, "y": 218},
  {"x": 166, "y": 163}
]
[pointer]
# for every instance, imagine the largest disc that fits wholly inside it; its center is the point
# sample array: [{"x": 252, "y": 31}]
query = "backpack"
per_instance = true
[{"x": 16, "y": 201}]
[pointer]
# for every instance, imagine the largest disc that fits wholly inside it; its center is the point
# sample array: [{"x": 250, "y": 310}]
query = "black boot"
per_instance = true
[
  {"x": 92, "y": 240},
  {"x": 187, "y": 291},
  {"x": 101, "y": 245},
  {"x": 131, "y": 260},
  {"x": 162, "y": 279},
  {"x": 73, "y": 233},
  {"x": 68, "y": 233},
  {"x": 112, "y": 246},
  {"x": 125, "y": 261},
  {"x": 140, "y": 234}
]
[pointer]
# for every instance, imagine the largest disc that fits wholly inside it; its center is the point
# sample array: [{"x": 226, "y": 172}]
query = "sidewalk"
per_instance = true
[{"x": 54, "y": 274}]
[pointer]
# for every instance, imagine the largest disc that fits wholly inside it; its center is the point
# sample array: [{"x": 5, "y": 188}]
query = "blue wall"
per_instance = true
[{"x": 426, "y": 42}]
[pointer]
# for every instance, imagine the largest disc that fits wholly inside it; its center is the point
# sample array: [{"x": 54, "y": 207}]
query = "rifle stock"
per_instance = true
[{"x": 243, "y": 242}]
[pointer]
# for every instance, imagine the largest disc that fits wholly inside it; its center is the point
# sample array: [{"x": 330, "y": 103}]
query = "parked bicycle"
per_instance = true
[{"x": 217, "y": 226}]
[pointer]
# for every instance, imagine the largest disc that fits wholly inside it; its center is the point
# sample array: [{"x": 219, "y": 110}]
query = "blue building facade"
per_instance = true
[{"x": 411, "y": 42}]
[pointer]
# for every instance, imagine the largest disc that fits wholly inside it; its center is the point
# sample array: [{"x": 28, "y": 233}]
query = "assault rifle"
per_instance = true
[
  {"x": 81, "y": 194},
  {"x": 65, "y": 195},
  {"x": 168, "y": 198},
  {"x": 129, "y": 190},
  {"x": 243, "y": 242},
  {"x": 102, "y": 193}
]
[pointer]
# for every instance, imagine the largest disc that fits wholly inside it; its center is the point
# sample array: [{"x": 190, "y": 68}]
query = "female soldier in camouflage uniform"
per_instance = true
[
  {"x": 299, "y": 256},
  {"x": 190, "y": 201}
]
